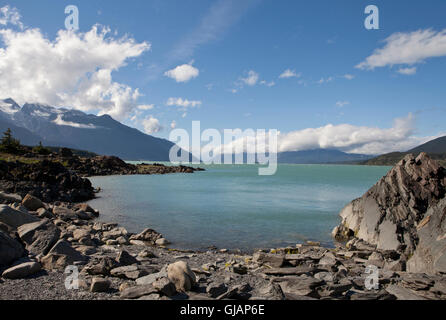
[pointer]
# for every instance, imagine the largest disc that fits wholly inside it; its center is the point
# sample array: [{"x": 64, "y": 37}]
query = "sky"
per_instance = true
[{"x": 309, "y": 69}]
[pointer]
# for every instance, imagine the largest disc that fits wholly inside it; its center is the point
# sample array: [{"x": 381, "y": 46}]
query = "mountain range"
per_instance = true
[
  {"x": 436, "y": 149},
  {"x": 33, "y": 123}
]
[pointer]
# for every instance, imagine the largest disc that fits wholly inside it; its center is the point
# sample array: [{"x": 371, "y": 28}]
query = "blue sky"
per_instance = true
[{"x": 320, "y": 42}]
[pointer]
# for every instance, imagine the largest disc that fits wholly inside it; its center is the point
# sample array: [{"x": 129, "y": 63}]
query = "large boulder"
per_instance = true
[
  {"x": 430, "y": 254},
  {"x": 181, "y": 275},
  {"x": 148, "y": 235},
  {"x": 61, "y": 255},
  {"x": 15, "y": 218},
  {"x": 10, "y": 249},
  {"x": 39, "y": 236},
  {"x": 400, "y": 211}
]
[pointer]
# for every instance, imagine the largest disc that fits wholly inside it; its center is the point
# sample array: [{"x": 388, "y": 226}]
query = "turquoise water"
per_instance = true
[{"x": 231, "y": 206}]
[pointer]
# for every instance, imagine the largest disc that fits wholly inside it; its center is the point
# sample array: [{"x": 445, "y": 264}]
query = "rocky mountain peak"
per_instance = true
[{"x": 9, "y": 106}]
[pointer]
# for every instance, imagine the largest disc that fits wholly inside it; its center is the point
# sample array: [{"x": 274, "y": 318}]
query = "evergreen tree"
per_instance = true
[{"x": 8, "y": 143}]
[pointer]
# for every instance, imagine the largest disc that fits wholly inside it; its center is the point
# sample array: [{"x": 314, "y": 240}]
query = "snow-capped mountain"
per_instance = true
[{"x": 32, "y": 123}]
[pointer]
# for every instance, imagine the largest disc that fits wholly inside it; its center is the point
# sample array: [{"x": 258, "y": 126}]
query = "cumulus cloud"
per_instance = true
[
  {"x": 288, "y": 73},
  {"x": 74, "y": 69},
  {"x": 349, "y": 76},
  {"x": 151, "y": 125},
  {"x": 183, "y": 73},
  {"x": 350, "y": 138},
  {"x": 407, "y": 48},
  {"x": 407, "y": 71},
  {"x": 184, "y": 103},
  {"x": 11, "y": 16},
  {"x": 251, "y": 79},
  {"x": 346, "y": 137}
]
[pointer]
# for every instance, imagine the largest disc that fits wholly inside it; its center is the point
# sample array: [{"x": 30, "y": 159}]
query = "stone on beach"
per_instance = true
[
  {"x": 15, "y": 218},
  {"x": 161, "y": 242},
  {"x": 39, "y": 236},
  {"x": 10, "y": 198},
  {"x": 99, "y": 285},
  {"x": 148, "y": 235},
  {"x": 61, "y": 255},
  {"x": 181, "y": 275},
  {"x": 10, "y": 249},
  {"x": 273, "y": 260},
  {"x": 32, "y": 203},
  {"x": 124, "y": 258},
  {"x": 22, "y": 270},
  {"x": 138, "y": 291},
  {"x": 165, "y": 286}
]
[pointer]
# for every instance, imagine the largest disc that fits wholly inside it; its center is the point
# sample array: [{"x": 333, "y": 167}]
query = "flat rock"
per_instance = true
[
  {"x": 272, "y": 260},
  {"x": 301, "y": 286},
  {"x": 127, "y": 272},
  {"x": 138, "y": 291},
  {"x": 15, "y": 218},
  {"x": 402, "y": 293},
  {"x": 22, "y": 270},
  {"x": 299, "y": 270},
  {"x": 151, "y": 278}
]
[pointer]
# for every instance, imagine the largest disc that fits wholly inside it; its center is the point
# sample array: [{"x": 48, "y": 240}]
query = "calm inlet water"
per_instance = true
[{"x": 230, "y": 206}]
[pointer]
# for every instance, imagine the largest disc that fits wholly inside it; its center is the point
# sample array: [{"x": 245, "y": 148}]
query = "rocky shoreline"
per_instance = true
[{"x": 39, "y": 239}]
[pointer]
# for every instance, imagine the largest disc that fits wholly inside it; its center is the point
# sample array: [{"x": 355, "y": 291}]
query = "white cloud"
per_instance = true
[
  {"x": 325, "y": 80},
  {"x": 288, "y": 73},
  {"x": 349, "y": 76},
  {"x": 251, "y": 79},
  {"x": 348, "y": 138},
  {"x": 61, "y": 122},
  {"x": 183, "y": 73},
  {"x": 408, "y": 71},
  {"x": 342, "y": 103},
  {"x": 146, "y": 107},
  {"x": 173, "y": 124},
  {"x": 407, "y": 48},
  {"x": 151, "y": 125},
  {"x": 268, "y": 84},
  {"x": 184, "y": 103},
  {"x": 10, "y": 15},
  {"x": 74, "y": 69}
]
